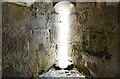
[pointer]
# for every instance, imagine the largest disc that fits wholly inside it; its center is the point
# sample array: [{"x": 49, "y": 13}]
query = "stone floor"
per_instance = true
[{"x": 63, "y": 73}]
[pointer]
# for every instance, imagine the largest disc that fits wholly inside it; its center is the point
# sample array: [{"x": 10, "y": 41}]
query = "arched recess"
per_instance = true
[{"x": 65, "y": 14}]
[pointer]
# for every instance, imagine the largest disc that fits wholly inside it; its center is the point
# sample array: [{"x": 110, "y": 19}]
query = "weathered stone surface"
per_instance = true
[
  {"x": 0, "y": 39},
  {"x": 29, "y": 46},
  {"x": 26, "y": 39},
  {"x": 21, "y": 2},
  {"x": 98, "y": 48}
]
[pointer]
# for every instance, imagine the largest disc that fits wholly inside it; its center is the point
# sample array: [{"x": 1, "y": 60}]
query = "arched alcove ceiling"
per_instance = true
[
  {"x": 54, "y": 3},
  {"x": 66, "y": 5}
]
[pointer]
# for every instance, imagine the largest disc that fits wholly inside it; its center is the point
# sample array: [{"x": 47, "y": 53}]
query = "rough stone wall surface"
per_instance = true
[
  {"x": 97, "y": 27},
  {"x": 26, "y": 39},
  {"x": 0, "y": 39},
  {"x": 29, "y": 39}
]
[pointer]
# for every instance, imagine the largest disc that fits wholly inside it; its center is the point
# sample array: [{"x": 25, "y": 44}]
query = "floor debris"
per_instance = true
[{"x": 62, "y": 73}]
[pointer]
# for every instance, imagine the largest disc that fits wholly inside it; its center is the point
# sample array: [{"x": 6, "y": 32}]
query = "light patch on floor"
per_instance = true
[{"x": 63, "y": 73}]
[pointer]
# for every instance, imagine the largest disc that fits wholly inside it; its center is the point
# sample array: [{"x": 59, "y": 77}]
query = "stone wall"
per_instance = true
[
  {"x": 0, "y": 39},
  {"x": 96, "y": 50},
  {"x": 27, "y": 39}
]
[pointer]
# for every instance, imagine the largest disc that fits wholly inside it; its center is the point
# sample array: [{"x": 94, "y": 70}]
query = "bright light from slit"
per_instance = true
[
  {"x": 64, "y": 10},
  {"x": 63, "y": 38}
]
